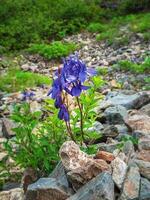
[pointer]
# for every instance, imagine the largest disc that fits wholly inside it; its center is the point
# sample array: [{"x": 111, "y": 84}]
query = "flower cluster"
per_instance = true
[
  {"x": 70, "y": 79},
  {"x": 27, "y": 95}
]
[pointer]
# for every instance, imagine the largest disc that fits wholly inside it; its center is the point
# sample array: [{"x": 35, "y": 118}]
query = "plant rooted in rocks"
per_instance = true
[{"x": 69, "y": 85}]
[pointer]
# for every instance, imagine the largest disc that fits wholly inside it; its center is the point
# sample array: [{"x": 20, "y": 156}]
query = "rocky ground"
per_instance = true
[{"x": 119, "y": 170}]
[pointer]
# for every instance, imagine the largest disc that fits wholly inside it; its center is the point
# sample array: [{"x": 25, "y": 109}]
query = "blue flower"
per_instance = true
[
  {"x": 74, "y": 73},
  {"x": 27, "y": 95},
  {"x": 58, "y": 101},
  {"x": 63, "y": 113},
  {"x": 70, "y": 78},
  {"x": 56, "y": 89},
  {"x": 77, "y": 89},
  {"x": 74, "y": 70}
]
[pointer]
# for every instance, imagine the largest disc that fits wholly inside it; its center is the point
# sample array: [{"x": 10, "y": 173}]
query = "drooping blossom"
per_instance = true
[{"x": 70, "y": 78}]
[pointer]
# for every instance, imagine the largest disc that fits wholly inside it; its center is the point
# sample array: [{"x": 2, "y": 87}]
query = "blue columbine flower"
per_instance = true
[
  {"x": 70, "y": 78},
  {"x": 27, "y": 95},
  {"x": 74, "y": 73},
  {"x": 63, "y": 113},
  {"x": 56, "y": 88}
]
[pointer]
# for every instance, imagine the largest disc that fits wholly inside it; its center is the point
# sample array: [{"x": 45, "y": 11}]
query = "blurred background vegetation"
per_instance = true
[{"x": 23, "y": 22}]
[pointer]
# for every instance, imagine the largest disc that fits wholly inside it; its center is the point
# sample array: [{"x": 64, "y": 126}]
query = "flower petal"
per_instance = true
[
  {"x": 84, "y": 87},
  {"x": 76, "y": 91},
  {"x": 91, "y": 72}
]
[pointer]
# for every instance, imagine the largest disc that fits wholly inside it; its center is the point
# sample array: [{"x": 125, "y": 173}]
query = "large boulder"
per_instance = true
[
  {"x": 80, "y": 167},
  {"x": 99, "y": 188}
]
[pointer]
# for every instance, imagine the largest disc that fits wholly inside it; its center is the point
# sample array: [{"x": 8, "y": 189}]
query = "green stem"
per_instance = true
[
  {"x": 70, "y": 131},
  {"x": 81, "y": 117}
]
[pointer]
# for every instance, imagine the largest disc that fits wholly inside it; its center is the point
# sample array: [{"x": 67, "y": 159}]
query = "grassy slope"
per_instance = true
[
  {"x": 17, "y": 80},
  {"x": 120, "y": 29}
]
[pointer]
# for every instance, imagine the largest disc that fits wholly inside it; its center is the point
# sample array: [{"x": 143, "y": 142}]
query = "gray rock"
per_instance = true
[
  {"x": 108, "y": 147},
  {"x": 59, "y": 174},
  {"x": 128, "y": 150},
  {"x": 134, "y": 101},
  {"x": 144, "y": 168},
  {"x": 99, "y": 188},
  {"x": 122, "y": 129},
  {"x": 110, "y": 131},
  {"x": 131, "y": 186},
  {"x": 145, "y": 189},
  {"x": 146, "y": 109},
  {"x": 144, "y": 143},
  {"x": 47, "y": 189},
  {"x": 7, "y": 126},
  {"x": 98, "y": 127},
  {"x": 116, "y": 114}
]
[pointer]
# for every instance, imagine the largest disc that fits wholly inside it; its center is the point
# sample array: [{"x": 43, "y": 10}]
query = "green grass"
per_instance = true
[
  {"x": 122, "y": 28},
  {"x": 126, "y": 65},
  {"x": 96, "y": 27},
  {"x": 147, "y": 84},
  {"x": 17, "y": 80},
  {"x": 55, "y": 50}
]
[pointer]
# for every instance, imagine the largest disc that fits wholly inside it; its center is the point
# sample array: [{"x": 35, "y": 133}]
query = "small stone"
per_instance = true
[
  {"x": 116, "y": 114},
  {"x": 131, "y": 184},
  {"x": 144, "y": 155},
  {"x": 128, "y": 150},
  {"x": 3, "y": 156},
  {"x": 13, "y": 194},
  {"x": 110, "y": 131},
  {"x": 122, "y": 129},
  {"x": 7, "y": 126},
  {"x": 107, "y": 147},
  {"x": 146, "y": 109},
  {"x": 105, "y": 156},
  {"x": 145, "y": 189},
  {"x": 119, "y": 171},
  {"x": 35, "y": 106},
  {"x": 98, "y": 127},
  {"x": 138, "y": 121},
  {"x": 99, "y": 188},
  {"x": 144, "y": 143},
  {"x": 144, "y": 168}
]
